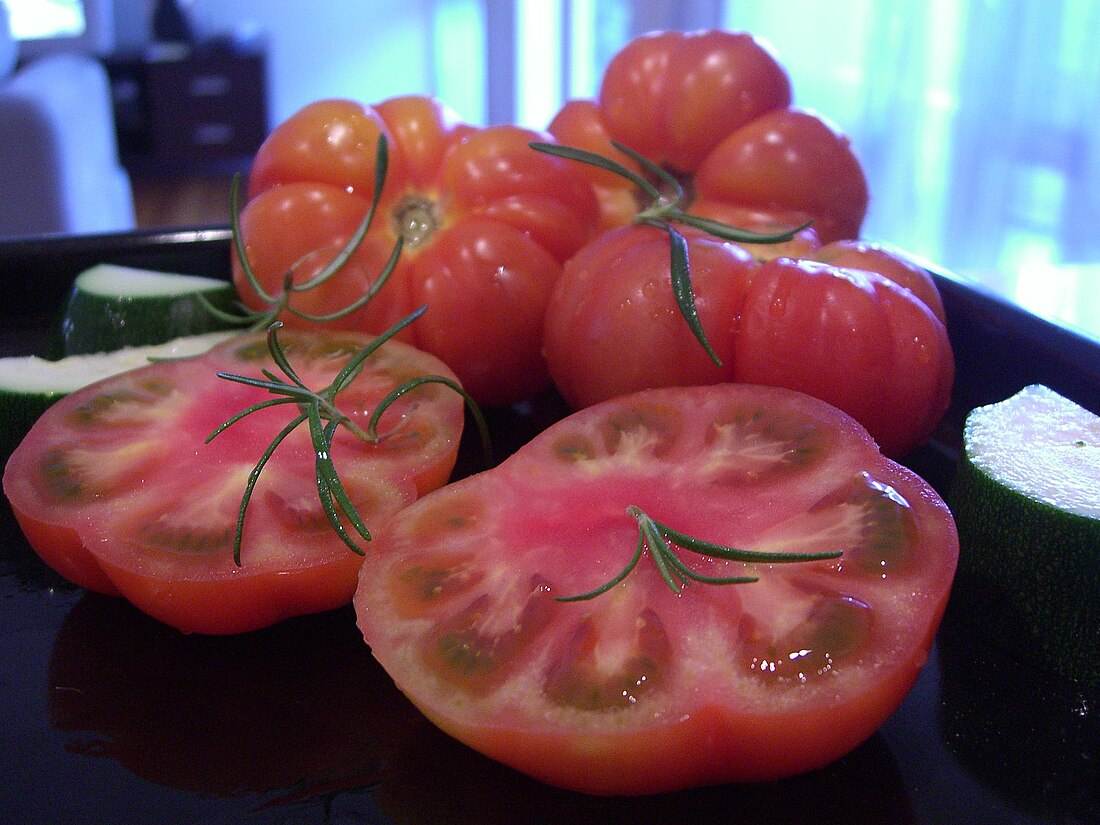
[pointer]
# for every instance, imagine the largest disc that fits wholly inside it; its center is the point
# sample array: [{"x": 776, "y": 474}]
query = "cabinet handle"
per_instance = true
[
  {"x": 213, "y": 134},
  {"x": 209, "y": 85}
]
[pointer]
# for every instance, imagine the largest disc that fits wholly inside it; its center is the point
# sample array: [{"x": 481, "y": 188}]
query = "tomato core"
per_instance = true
[{"x": 415, "y": 219}]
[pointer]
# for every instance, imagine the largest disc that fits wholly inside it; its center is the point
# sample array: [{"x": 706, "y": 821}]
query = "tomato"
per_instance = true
[
  {"x": 486, "y": 223},
  {"x": 579, "y": 124},
  {"x": 714, "y": 109},
  {"x": 790, "y": 160},
  {"x": 613, "y": 325},
  {"x": 650, "y": 688},
  {"x": 853, "y": 338},
  {"x": 893, "y": 263},
  {"x": 804, "y": 244},
  {"x": 674, "y": 96},
  {"x": 116, "y": 489}
]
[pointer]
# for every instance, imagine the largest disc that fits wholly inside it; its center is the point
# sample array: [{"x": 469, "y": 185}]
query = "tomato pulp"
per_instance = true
[
  {"x": 116, "y": 489},
  {"x": 652, "y": 686},
  {"x": 486, "y": 223}
]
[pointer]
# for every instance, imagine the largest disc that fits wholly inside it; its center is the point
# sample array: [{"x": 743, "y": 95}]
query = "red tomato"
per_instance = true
[
  {"x": 894, "y": 264},
  {"x": 613, "y": 325},
  {"x": 853, "y": 338},
  {"x": 674, "y": 96},
  {"x": 644, "y": 689},
  {"x": 714, "y": 109},
  {"x": 804, "y": 244},
  {"x": 790, "y": 160},
  {"x": 453, "y": 192},
  {"x": 580, "y": 124},
  {"x": 116, "y": 489}
]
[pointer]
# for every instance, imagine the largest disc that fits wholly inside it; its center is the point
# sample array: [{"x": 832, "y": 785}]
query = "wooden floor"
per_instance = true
[{"x": 174, "y": 202}]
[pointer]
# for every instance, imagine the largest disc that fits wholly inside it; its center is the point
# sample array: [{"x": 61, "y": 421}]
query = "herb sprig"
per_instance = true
[
  {"x": 319, "y": 411},
  {"x": 660, "y": 539},
  {"x": 279, "y": 304},
  {"x": 665, "y": 209}
]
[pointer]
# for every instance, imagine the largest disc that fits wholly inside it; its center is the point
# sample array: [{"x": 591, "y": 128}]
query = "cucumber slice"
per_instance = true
[
  {"x": 29, "y": 385},
  {"x": 114, "y": 306},
  {"x": 1027, "y": 504}
]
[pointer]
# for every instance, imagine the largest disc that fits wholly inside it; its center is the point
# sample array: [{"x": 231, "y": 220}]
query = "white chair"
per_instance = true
[{"x": 59, "y": 163}]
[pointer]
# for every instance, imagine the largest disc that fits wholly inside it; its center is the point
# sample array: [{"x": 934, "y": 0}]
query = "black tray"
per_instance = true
[{"x": 108, "y": 716}]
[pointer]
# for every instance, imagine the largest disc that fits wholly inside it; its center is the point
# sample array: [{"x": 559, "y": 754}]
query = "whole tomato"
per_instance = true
[
  {"x": 485, "y": 225},
  {"x": 714, "y": 109},
  {"x": 613, "y": 325},
  {"x": 853, "y": 338},
  {"x": 790, "y": 160}
]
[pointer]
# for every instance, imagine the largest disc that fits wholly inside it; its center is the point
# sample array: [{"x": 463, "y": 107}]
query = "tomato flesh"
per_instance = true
[
  {"x": 647, "y": 689},
  {"x": 117, "y": 490}
]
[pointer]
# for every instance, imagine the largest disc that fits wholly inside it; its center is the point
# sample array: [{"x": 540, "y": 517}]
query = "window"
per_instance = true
[{"x": 978, "y": 121}]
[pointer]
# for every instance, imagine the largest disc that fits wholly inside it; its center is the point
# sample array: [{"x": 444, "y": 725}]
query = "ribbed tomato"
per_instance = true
[
  {"x": 486, "y": 224},
  {"x": 714, "y": 108}
]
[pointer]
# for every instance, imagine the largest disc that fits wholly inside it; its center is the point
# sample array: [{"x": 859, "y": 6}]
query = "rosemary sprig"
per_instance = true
[
  {"x": 280, "y": 303},
  {"x": 319, "y": 411},
  {"x": 660, "y": 539},
  {"x": 665, "y": 209}
]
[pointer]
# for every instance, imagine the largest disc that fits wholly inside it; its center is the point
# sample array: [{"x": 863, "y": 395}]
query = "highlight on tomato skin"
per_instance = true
[{"x": 483, "y": 601}]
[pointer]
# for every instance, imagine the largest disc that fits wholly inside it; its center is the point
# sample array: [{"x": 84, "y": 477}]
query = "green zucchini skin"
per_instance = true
[
  {"x": 29, "y": 385},
  {"x": 1036, "y": 566},
  {"x": 111, "y": 307}
]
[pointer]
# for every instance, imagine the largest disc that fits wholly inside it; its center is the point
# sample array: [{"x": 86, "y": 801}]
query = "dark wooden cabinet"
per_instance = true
[{"x": 189, "y": 109}]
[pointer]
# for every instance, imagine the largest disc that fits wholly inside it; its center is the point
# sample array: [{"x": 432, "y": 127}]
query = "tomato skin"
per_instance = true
[
  {"x": 579, "y": 123},
  {"x": 117, "y": 488},
  {"x": 673, "y": 96},
  {"x": 472, "y": 279},
  {"x": 874, "y": 257},
  {"x": 446, "y": 604},
  {"x": 310, "y": 148},
  {"x": 442, "y": 174},
  {"x": 790, "y": 160},
  {"x": 804, "y": 244},
  {"x": 612, "y": 323},
  {"x": 853, "y": 338}
]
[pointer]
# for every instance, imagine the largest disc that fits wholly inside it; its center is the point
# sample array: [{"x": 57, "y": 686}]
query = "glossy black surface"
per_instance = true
[{"x": 110, "y": 717}]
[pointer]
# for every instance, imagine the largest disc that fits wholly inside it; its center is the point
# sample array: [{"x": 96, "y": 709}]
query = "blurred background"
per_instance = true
[{"x": 977, "y": 121}]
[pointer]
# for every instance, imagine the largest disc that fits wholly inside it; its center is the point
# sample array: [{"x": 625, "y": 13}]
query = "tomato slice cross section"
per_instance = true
[
  {"x": 666, "y": 681},
  {"x": 118, "y": 490}
]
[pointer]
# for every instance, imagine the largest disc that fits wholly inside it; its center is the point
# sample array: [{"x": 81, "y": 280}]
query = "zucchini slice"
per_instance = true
[
  {"x": 114, "y": 306},
  {"x": 29, "y": 384}
]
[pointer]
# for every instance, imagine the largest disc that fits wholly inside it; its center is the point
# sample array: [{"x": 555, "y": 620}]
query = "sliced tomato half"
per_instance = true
[
  {"x": 116, "y": 488},
  {"x": 651, "y": 686}
]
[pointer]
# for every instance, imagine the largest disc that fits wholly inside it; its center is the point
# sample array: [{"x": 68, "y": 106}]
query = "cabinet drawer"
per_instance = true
[{"x": 208, "y": 106}]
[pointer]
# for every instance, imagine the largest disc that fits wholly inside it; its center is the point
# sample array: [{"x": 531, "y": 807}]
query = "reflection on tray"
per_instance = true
[
  {"x": 301, "y": 713},
  {"x": 999, "y": 714}
]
